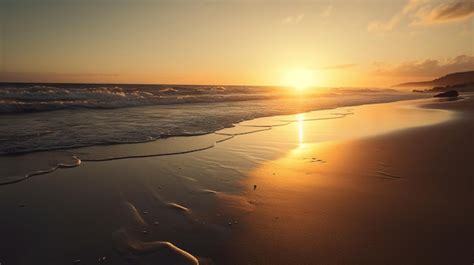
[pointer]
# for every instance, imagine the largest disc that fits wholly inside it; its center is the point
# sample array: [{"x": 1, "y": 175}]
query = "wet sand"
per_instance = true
[
  {"x": 376, "y": 184},
  {"x": 400, "y": 198}
]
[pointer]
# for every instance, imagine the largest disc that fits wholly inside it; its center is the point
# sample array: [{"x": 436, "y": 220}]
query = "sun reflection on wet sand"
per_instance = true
[
  {"x": 319, "y": 196},
  {"x": 300, "y": 129},
  {"x": 298, "y": 200}
]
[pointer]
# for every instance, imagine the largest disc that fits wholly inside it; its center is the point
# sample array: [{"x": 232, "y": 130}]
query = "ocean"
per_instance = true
[{"x": 39, "y": 117}]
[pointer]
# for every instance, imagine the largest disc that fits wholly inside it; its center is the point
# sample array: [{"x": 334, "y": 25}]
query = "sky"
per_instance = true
[{"x": 359, "y": 43}]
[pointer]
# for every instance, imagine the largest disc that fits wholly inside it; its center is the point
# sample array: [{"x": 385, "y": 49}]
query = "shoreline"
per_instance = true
[
  {"x": 256, "y": 109},
  {"x": 327, "y": 191},
  {"x": 74, "y": 158}
]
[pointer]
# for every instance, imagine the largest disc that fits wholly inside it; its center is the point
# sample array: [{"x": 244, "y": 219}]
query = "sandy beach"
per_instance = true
[
  {"x": 237, "y": 132},
  {"x": 373, "y": 184}
]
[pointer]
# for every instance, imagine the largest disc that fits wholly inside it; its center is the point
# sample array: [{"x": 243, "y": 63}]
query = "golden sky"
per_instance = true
[{"x": 253, "y": 42}]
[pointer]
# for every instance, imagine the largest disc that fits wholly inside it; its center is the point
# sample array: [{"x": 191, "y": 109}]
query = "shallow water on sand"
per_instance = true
[{"x": 133, "y": 204}]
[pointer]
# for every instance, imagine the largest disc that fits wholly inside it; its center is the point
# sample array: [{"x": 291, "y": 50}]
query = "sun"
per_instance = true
[{"x": 301, "y": 78}]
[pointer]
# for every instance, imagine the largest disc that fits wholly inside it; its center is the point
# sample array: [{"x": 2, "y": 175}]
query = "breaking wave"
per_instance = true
[
  {"x": 89, "y": 115},
  {"x": 17, "y": 98}
]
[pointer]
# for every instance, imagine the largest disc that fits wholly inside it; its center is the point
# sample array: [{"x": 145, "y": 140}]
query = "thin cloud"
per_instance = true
[
  {"x": 425, "y": 13},
  {"x": 428, "y": 68},
  {"x": 444, "y": 13},
  {"x": 293, "y": 20},
  {"x": 338, "y": 66},
  {"x": 382, "y": 26},
  {"x": 389, "y": 25}
]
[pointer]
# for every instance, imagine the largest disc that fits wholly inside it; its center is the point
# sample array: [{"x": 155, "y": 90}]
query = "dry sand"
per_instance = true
[{"x": 400, "y": 198}]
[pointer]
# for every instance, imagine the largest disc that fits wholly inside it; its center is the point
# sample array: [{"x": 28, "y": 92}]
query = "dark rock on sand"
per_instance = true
[{"x": 447, "y": 94}]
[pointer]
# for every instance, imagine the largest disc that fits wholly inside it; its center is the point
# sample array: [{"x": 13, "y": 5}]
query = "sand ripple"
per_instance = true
[
  {"x": 135, "y": 214},
  {"x": 178, "y": 207},
  {"x": 170, "y": 253},
  {"x": 383, "y": 174}
]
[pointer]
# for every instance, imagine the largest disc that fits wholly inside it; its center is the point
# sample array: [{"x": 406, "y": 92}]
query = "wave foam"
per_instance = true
[{"x": 104, "y": 121}]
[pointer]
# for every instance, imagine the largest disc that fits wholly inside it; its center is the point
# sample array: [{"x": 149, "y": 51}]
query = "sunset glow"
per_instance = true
[
  {"x": 236, "y": 132},
  {"x": 342, "y": 43},
  {"x": 300, "y": 78}
]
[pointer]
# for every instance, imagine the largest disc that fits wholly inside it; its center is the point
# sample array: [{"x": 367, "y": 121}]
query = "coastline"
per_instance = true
[
  {"x": 46, "y": 161},
  {"x": 340, "y": 207},
  {"x": 77, "y": 127}
]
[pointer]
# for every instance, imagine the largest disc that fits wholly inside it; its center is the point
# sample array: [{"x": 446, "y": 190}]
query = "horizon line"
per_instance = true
[{"x": 177, "y": 84}]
